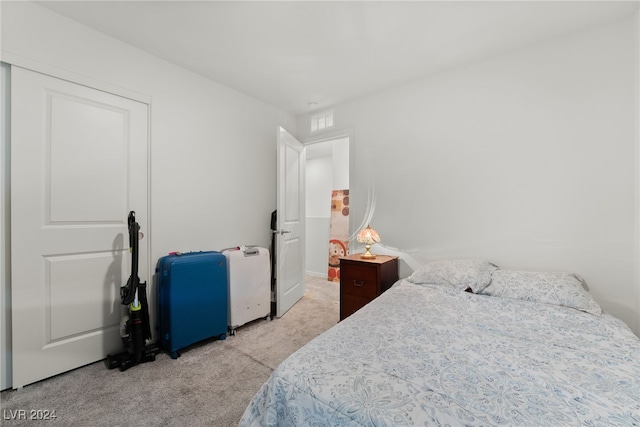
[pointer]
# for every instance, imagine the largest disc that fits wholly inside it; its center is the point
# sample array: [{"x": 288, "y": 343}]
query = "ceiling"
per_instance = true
[{"x": 301, "y": 56}]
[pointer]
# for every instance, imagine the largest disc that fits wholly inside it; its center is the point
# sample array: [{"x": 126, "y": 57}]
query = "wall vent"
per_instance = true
[{"x": 322, "y": 120}]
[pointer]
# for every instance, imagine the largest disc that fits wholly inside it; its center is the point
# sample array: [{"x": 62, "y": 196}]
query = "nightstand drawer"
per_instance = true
[
  {"x": 349, "y": 304},
  {"x": 359, "y": 280},
  {"x": 363, "y": 279}
]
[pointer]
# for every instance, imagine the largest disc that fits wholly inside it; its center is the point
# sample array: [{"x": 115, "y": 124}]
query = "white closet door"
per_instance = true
[{"x": 78, "y": 166}]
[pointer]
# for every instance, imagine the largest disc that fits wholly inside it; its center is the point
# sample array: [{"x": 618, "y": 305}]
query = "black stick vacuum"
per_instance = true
[{"x": 135, "y": 329}]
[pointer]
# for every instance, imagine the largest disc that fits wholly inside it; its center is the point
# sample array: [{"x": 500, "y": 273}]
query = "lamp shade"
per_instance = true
[{"x": 368, "y": 236}]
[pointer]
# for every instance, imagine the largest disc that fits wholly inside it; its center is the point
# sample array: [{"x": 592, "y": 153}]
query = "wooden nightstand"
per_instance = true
[{"x": 362, "y": 280}]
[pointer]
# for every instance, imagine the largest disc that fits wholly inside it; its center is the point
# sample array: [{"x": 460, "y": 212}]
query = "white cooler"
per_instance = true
[{"x": 249, "y": 270}]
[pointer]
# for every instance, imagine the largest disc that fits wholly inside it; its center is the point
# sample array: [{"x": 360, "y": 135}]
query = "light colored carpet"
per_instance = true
[{"x": 210, "y": 384}]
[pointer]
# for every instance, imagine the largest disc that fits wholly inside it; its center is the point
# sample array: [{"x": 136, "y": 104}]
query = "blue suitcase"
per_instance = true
[{"x": 192, "y": 291}]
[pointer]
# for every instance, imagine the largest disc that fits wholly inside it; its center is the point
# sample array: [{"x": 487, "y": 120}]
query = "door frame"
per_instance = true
[
  {"x": 5, "y": 227},
  {"x": 12, "y": 60}
]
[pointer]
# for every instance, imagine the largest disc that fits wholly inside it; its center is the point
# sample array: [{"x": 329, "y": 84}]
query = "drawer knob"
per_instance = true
[{"x": 358, "y": 284}]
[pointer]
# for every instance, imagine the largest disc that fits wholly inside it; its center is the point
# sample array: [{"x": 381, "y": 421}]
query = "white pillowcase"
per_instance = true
[
  {"x": 459, "y": 273},
  {"x": 563, "y": 289}
]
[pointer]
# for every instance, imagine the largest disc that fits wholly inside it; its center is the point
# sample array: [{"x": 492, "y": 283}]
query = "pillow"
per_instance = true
[
  {"x": 545, "y": 287},
  {"x": 460, "y": 273}
]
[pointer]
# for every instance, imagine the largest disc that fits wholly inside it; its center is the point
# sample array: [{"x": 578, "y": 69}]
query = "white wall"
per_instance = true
[
  {"x": 213, "y": 149},
  {"x": 319, "y": 184},
  {"x": 341, "y": 159},
  {"x": 528, "y": 159}
]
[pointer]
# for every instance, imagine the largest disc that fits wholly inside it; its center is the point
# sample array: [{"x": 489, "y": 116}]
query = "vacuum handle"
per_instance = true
[
  {"x": 134, "y": 229},
  {"x": 128, "y": 291}
]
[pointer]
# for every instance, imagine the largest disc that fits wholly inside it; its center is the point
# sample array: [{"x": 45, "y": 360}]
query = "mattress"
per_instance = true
[{"x": 424, "y": 354}]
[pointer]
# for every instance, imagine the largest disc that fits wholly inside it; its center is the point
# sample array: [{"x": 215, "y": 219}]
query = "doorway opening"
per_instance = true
[{"x": 327, "y": 172}]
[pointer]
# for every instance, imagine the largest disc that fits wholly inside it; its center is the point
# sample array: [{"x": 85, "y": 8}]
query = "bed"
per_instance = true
[{"x": 463, "y": 343}]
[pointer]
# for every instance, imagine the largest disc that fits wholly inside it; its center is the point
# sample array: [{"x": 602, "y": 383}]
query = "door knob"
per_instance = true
[{"x": 280, "y": 232}]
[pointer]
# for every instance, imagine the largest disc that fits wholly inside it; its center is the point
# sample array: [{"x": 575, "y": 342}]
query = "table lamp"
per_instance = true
[{"x": 368, "y": 236}]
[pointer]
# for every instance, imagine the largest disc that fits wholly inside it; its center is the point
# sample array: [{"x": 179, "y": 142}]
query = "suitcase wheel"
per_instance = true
[
  {"x": 175, "y": 354},
  {"x": 223, "y": 336}
]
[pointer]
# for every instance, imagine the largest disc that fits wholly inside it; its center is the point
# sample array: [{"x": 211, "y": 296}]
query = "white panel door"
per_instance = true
[
  {"x": 290, "y": 239},
  {"x": 78, "y": 165}
]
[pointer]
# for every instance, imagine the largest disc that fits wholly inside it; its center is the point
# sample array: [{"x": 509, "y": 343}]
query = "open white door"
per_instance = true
[
  {"x": 78, "y": 166},
  {"x": 290, "y": 239}
]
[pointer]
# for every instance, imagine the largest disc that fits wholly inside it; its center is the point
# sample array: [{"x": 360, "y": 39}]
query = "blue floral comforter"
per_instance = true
[{"x": 432, "y": 355}]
